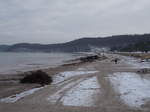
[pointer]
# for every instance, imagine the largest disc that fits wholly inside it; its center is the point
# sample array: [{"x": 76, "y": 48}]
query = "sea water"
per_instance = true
[{"x": 20, "y": 62}]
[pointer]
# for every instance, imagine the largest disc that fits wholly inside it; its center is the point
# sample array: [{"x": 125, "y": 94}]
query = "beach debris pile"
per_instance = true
[
  {"x": 89, "y": 58},
  {"x": 38, "y": 77},
  {"x": 92, "y": 58},
  {"x": 85, "y": 59}
]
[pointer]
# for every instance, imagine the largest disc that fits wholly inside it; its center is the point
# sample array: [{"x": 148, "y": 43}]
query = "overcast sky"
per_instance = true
[{"x": 55, "y": 21}]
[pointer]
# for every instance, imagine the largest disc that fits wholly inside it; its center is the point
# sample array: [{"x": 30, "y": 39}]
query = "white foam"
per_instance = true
[
  {"x": 14, "y": 98},
  {"x": 134, "y": 90},
  {"x": 83, "y": 94}
]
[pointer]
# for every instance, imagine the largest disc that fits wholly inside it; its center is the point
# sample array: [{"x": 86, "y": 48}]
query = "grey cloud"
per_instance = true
[{"x": 52, "y": 21}]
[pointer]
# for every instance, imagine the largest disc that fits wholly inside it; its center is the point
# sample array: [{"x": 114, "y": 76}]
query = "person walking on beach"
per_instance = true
[{"x": 116, "y": 60}]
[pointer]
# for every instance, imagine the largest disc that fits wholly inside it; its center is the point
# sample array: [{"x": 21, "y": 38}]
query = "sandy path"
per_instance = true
[{"x": 107, "y": 100}]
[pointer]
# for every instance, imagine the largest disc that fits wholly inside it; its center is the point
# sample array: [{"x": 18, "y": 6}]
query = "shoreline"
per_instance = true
[
  {"x": 9, "y": 83},
  {"x": 23, "y": 62},
  {"x": 76, "y": 83}
]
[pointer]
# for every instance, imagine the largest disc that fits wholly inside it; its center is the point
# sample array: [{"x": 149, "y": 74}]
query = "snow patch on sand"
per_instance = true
[
  {"x": 68, "y": 74},
  {"x": 135, "y": 62},
  {"x": 55, "y": 97},
  {"x": 14, "y": 98},
  {"x": 78, "y": 93},
  {"x": 83, "y": 94},
  {"x": 133, "y": 89}
]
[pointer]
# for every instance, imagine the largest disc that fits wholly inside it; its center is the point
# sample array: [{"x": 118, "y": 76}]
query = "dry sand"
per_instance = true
[{"x": 106, "y": 100}]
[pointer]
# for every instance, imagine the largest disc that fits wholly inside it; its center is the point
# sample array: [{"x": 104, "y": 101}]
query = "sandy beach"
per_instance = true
[{"x": 95, "y": 86}]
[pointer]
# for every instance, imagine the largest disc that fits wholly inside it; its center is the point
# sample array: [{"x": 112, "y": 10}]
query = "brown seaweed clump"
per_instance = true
[{"x": 38, "y": 77}]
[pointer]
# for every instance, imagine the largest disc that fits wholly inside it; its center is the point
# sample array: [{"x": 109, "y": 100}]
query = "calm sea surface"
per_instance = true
[{"x": 18, "y": 62}]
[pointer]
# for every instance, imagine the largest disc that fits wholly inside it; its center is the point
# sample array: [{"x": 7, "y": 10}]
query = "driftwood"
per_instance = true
[{"x": 89, "y": 58}]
